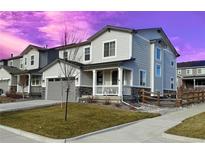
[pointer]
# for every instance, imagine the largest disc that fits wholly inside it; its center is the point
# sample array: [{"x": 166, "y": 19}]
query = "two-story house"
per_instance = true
[
  {"x": 191, "y": 74},
  {"x": 115, "y": 61},
  {"x": 28, "y": 64}
]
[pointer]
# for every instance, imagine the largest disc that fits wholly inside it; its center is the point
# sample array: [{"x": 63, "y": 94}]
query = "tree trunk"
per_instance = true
[{"x": 66, "y": 105}]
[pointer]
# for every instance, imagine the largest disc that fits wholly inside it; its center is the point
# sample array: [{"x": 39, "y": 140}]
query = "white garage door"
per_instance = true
[
  {"x": 56, "y": 90},
  {"x": 4, "y": 85}
]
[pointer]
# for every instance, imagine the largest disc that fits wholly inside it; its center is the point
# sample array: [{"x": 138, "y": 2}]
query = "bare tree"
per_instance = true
[
  {"x": 70, "y": 55},
  {"x": 23, "y": 82}
]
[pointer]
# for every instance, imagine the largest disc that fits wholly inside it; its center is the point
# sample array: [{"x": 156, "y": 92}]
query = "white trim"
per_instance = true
[
  {"x": 145, "y": 77},
  {"x": 152, "y": 71},
  {"x": 33, "y": 59},
  {"x": 157, "y": 64},
  {"x": 138, "y": 86},
  {"x": 130, "y": 46},
  {"x": 140, "y": 36},
  {"x": 115, "y": 49},
  {"x": 87, "y": 61},
  {"x": 191, "y": 70},
  {"x": 131, "y": 75},
  {"x": 98, "y": 69}
]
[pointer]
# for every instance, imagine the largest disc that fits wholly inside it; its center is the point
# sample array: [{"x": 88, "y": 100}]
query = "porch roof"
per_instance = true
[
  {"x": 106, "y": 64},
  {"x": 12, "y": 70},
  {"x": 32, "y": 72}
]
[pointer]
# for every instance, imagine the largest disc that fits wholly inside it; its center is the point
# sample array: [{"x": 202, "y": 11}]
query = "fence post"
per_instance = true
[
  {"x": 158, "y": 98},
  {"x": 143, "y": 96},
  {"x": 202, "y": 95},
  {"x": 179, "y": 97}
]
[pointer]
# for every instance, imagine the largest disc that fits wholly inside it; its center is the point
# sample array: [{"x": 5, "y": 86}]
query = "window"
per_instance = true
[
  {"x": 200, "y": 70},
  {"x": 109, "y": 49},
  {"x": 179, "y": 71},
  {"x": 65, "y": 55},
  {"x": 188, "y": 71},
  {"x": 32, "y": 60},
  {"x": 36, "y": 81},
  {"x": 25, "y": 61},
  {"x": 21, "y": 63},
  {"x": 99, "y": 78},
  {"x": 158, "y": 70},
  {"x": 142, "y": 78},
  {"x": 172, "y": 63},
  {"x": 114, "y": 77},
  {"x": 158, "y": 54},
  {"x": 87, "y": 54},
  {"x": 11, "y": 63},
  {"x": 172, "y": 83}
]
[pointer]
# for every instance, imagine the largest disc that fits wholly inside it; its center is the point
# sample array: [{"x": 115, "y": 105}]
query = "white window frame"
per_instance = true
[
  {"x": 35, "y": 82},
  {"x": 108, "y": 41},
  {"x": 11, "y": 63},
  {"x": 145, "y": 77},
  {"x": 67, "y": 55},
  {"x": 156, "y": 54},
  {"x": 25, "y": 61},
  {"x": 179, "y": 71},
  {"x": 190, "y": 70},
  {"x": 84, "y": 54},
  {"x": 21, "y": 63},
  {"x": 171, "y": 82},
  {"x": 156, "y": 75},
  {"x": 33, "y": 59}
]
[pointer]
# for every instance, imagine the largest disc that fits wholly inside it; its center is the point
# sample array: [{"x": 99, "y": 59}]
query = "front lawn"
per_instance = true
[
  {"x": 192, "y": 127},
  {"x": 5, "y": 99},
  {"x": 82, "y": 119}
]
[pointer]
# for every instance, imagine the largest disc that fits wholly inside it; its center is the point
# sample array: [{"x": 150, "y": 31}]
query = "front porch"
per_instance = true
[
  {"x": 194, "y": 83},
  {"x": 112, "y": 82}
]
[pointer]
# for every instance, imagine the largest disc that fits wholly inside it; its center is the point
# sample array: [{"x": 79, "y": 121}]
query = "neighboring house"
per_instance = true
[
  {"x": 30, "y": 61},
  {"x": 115, "y": 61},
  {"x": 191, "y": 74}
]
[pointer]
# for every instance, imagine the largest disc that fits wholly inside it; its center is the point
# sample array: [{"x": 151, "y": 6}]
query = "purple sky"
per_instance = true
[{"x": 186, "y": 30}]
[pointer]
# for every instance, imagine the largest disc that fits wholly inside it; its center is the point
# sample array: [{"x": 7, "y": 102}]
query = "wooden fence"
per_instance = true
[{"x": 179, "y": 98}]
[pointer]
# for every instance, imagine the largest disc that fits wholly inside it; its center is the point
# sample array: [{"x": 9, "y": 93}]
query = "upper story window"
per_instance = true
[
  {"x": 21, "y": 63},
  {"x": 109, "y": 49},
  {"x": 87, "y": 54},
  {"x": 65, "y": 55},
  {"x": 11, "y": 63},
  {"x": 179, "y": 71},
  {"x": 25, "y": 61},
  {"x": 158, "y": 70},
  {"x": 172, "y": 63},
  {"x": 172, "y": 83},
  {"x": 188, "y": 71},
  {"x": 142, "y": 78},
  {"x": 158, "y": 54},
  {"x": 32, "y": 60},
  {"x": 200, "y": 70}
]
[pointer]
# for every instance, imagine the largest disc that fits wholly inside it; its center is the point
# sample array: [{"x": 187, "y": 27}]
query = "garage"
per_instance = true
[
  {"x": 56, "y": 90},
  {"x": 4, "y": 86}
]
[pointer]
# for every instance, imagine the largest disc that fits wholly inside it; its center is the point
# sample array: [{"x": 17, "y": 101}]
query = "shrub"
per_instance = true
[
  {"x": 91, "y": 99},
  {"x": 118, "y": 104},
  {"x": 107, "y": 101},
  {"x": 15, "y": 95}
]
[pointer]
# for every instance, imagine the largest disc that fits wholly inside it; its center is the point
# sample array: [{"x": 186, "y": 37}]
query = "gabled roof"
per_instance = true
[
  {"x": 72, "y": 63},
  {"x": 29, "y": 47},
  {"x": 191, "y": 64},
  {"x": 130, "y": 30},
  {"x": 12, "y": 70},
  {"x": 12, "y": 58}
]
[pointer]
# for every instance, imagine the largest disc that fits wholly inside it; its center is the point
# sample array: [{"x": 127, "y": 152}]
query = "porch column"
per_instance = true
[
  {"x": 17, "y": 89},
  {"x": 94, "y": 82},
  {"x": 194, "y": 83},
  {"x": 120, "y": 70},
  {"x": 29, "y": 83}
]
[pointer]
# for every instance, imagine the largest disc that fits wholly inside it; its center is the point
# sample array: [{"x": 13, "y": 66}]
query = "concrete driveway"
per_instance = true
[
  {"x": 26, "y": 105},
  {"x": 149, "y": 130}
]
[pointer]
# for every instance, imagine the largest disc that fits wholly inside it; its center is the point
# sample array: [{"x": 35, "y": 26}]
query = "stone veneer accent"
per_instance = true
[{"x": 84, "y": 91}]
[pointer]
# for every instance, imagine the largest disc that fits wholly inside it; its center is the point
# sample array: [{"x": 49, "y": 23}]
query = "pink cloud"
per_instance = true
[{"x": 11, "y": 44}]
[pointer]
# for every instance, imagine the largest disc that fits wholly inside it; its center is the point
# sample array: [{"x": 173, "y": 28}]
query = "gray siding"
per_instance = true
[
  {"x": 141, "y": 53},
  {"x": 194, "y": 72},
  {"x": 43, "y": 59}
]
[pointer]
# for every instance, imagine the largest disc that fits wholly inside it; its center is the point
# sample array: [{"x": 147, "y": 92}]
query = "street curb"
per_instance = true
[
  {"x": 183, "y": 138},
  {"x": 51, "y": 140},
  {"x": 31, "y": 135}
]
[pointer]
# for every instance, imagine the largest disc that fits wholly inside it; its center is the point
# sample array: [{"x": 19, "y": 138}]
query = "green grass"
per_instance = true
[
  {"x": 82, "y": 118},
  {"x": 192, "y": 127}
]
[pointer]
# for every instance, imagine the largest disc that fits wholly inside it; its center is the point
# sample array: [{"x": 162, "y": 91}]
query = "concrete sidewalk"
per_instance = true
[
  {"x": 26, "y": 105},
  {"x": 149, "y": 130}
]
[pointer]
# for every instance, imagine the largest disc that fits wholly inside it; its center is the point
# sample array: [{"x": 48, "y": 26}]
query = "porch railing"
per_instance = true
[
  {"x": 127, "y": 90},
  {"x": 107, "y": 89}
]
